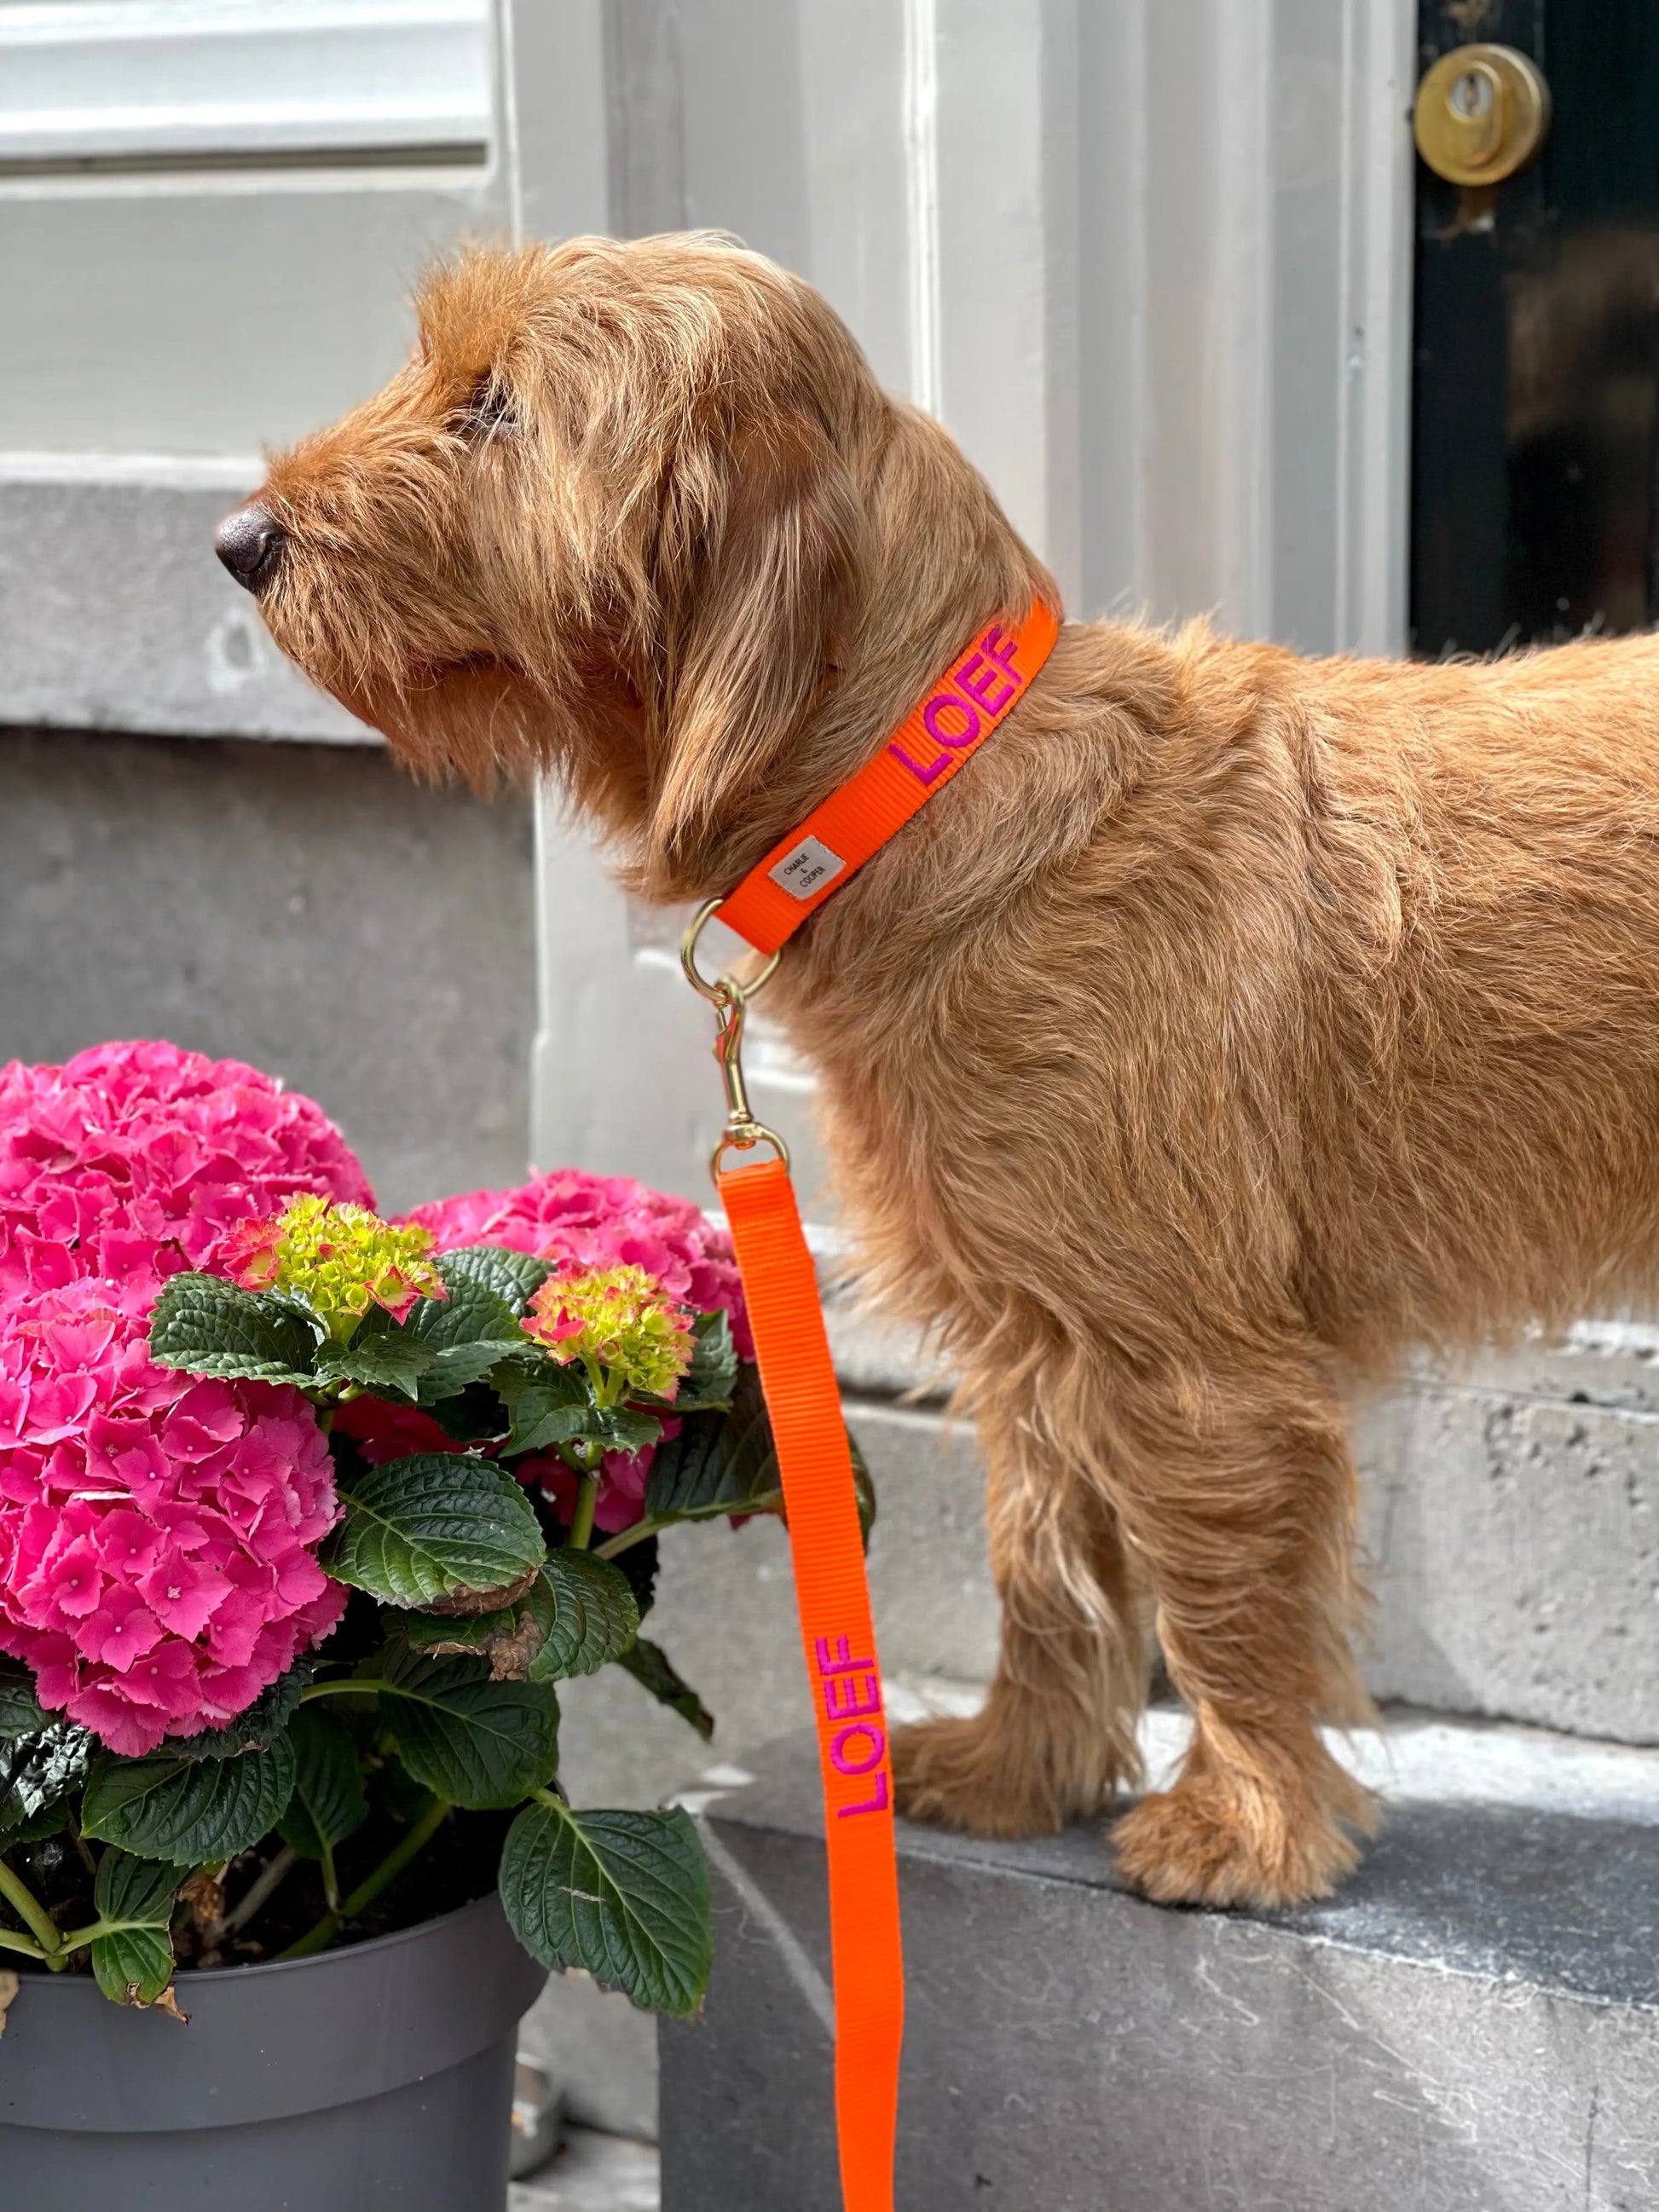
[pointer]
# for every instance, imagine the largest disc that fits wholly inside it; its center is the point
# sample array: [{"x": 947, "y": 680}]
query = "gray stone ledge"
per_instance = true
[
  {"x": 1473, "y": 2026},
  {"x": 1512, "y": 1537},
  {"x": 875, "y": 1358},
  {"x": 306, "y": 907},
  {"x": 601, "y": 2052},
  {"x": 114, "y": 614}
]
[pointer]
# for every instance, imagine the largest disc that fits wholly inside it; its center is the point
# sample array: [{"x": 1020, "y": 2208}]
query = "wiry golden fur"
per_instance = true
[{"x": 1232, "y": 1023}]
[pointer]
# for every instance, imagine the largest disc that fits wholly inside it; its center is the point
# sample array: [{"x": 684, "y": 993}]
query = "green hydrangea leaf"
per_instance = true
[
  {"x": 639, "y": 1562},
  {"x": 553, "y": 1424},
  {"x": 40, "y": 1774},
  {"x": 509, "y": 1640},
  {"x": 585, "y": 1612},
  {"x": 21, "y": 1710},
  {"x": 382, "y": 1356},
  {"x": 253, "y": 1730},
  {"x": 550, "y": 1403},
  {"x": 474, "y": 1740},
  {"x": 623, "y": 1895},
  {"x": 514, "y": 1277},
  {"x": 133, "y": 1960},
  {"x": 329, "y": 1802},
  {"x": 561, "y": 1410},
  {"x": 864, "y": 1486},
  {"x": 622, "y": 1428},
  {"x": 209, "y": 1327},
  {"x": 579, "y": 1613},
  {"x": 451, "y": 1634},
  {"x": 475, "y": 1308},
  {"x": 474, "y": 1415},
  {"x": 140, "y": 1891},
  {"x": 426, "y": 1527},
  {"x": 188, "y": 1810},
  {"x": 468, "y": 1332},
  {"x": 653, "y": 1670},
  {"x": 395, "y": 1793},
  {"x": 455, "y": 1369},
  {"x": 133, "y": 1966},
  {"x": 720, "y": 1462}
]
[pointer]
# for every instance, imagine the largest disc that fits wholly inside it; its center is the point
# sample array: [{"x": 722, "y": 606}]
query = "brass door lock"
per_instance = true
[{"x": 1482, "y": 113}]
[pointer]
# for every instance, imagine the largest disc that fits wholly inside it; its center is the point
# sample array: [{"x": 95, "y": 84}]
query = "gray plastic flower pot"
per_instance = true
[{"x": 380, "y": 2074}]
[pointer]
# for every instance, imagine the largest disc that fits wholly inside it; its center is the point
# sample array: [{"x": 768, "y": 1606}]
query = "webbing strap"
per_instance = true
[
  {"x": 838, "y": 1635},
  {"x": 959, "y": 711},
  {"x": 975, "y": 693}
]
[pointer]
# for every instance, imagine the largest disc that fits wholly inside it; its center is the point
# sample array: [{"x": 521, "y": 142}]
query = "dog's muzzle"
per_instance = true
[{"x": 250, "y": 543}]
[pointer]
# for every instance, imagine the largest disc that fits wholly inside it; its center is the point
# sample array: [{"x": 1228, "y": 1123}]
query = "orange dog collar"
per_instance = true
[{"x": 974, "y": 694}]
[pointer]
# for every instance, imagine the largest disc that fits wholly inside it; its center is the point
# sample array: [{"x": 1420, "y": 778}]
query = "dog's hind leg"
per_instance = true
[
  {"x": 1239, "y": 1495},
  {"x": 1056, "y": 1735}
]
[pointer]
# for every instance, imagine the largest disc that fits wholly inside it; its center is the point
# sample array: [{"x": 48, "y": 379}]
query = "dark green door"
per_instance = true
[{"x": 1535, "y": 433}]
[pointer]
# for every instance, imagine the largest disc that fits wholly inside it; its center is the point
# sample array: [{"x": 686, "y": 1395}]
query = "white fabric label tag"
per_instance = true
[{"x": 807, "y": 869}]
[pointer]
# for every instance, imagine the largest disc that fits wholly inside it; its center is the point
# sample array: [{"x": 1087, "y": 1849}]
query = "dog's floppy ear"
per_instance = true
[{"x": 769, "y": 592}]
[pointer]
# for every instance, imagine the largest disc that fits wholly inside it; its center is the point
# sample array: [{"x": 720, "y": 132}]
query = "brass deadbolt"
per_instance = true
[{"x": 1482, "y": 113}]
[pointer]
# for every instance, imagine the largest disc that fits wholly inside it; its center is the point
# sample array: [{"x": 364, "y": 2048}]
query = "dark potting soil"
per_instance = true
[{"x": 457, "y": 1865}]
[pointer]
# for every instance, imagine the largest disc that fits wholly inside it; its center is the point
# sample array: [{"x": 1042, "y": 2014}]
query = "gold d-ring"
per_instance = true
[
  {"x": 726, "y": 984},
  {"x": 754, "y": 1134}
]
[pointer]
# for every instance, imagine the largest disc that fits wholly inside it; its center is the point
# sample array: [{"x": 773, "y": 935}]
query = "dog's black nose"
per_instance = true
[{"x": 250, "y": 543}]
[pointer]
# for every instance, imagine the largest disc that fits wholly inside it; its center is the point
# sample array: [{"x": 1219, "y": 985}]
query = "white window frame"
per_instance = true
[
  {"x": 112, "y": 612},
  {"x": 127, "y": 81}
]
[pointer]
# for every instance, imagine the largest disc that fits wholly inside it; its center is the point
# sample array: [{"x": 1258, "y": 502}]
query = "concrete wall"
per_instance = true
[{"x": 304, "y": 907}]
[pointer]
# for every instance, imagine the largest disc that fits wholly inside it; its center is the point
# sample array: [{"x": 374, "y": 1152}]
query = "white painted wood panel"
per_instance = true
[
  {"x": 127, "y": 81},
  {"x": 1149, "y": 259},
  {"x": 212, "y": 212}
]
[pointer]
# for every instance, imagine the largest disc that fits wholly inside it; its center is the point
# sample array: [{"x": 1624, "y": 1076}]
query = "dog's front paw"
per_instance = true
[
  {"x": 1021, "y": 1766},
  {"x": 1195, "y": 1845},
  {"x": 956, "y": 1774}
]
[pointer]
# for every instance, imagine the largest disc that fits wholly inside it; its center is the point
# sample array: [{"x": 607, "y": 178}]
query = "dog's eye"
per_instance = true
[{"x": 489, "y": 413}]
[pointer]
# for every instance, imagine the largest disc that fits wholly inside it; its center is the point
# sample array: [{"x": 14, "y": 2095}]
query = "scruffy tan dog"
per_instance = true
[{"x": 1232, "y": 1022}]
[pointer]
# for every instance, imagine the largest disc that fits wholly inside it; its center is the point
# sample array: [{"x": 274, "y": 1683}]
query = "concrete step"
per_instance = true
[
  {"x": 1512, "y": 1518},
  {"x": 1511, "y": 1524},
  {"x": 591, "y": 2172},
  {"x": 1472, "y": 2025}
]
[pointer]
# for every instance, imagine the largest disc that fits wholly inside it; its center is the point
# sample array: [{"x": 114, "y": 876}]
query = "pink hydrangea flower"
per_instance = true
[
  {"x": 145, "y": 1156},
  {"x": 600, "y": 1222},
  {"x": 617, "y": 1318},
  {"x": 603, "y": 1221},
  {"x": 341, "y": 1258},
  {"x": 156, "y": 1535}
]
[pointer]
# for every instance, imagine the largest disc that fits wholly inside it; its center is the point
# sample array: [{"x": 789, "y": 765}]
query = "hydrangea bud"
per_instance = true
[{"x": 620, "y": 1319}]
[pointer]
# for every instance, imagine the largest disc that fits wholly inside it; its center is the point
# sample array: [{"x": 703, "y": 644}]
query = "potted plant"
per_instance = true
[{"x": 304, "y": 1515}]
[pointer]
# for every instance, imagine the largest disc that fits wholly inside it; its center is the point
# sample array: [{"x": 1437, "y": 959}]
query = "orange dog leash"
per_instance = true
[
  {"x": 839, "y": 1636},
  {"x": 798, "y": 1377}
]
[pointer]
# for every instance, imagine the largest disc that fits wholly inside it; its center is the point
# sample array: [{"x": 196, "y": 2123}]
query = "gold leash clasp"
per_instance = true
[{"x": 729, "y": 996}]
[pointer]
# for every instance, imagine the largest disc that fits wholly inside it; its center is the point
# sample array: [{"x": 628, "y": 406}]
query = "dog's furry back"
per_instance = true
[{"x": 1360, "y": 959}]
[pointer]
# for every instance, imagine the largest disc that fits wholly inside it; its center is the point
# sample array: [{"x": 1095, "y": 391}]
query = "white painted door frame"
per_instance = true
[{"x": 1150, "y": 259}]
